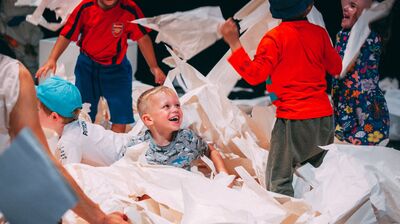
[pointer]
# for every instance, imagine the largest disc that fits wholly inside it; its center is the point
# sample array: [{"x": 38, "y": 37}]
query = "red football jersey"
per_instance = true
[{"x": 103, "y": 34}]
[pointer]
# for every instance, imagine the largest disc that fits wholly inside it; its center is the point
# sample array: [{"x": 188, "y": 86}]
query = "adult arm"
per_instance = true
[
  {"x": 146, "y": 47},
  {"x": 25, "y": 114},
  {"x": 51, "y": 63}
]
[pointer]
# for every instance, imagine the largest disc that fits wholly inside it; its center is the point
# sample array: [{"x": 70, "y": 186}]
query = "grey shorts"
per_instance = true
[{"x": 295, "y": 142}]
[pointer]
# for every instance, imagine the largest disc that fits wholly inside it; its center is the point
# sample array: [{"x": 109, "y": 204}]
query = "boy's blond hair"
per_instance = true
[{"x": 142, "y": 103}]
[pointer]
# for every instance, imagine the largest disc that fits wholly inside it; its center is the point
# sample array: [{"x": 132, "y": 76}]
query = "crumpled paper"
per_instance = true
[
  {"x": 355, "y": 184},
  {"x": 103, "y": 115},
  {"x": 188, "y": 32},
  {"x": 185, "y": 192}
]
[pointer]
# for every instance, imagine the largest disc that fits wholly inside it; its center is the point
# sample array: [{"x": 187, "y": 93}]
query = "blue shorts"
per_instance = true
[{"x": 114, "y": 82}]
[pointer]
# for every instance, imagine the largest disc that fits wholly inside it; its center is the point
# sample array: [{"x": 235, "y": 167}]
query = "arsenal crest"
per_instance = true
[{"x": 117, "y": 29}]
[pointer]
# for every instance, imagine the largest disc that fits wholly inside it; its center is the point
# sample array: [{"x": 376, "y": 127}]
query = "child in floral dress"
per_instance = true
[{"x": 360, "y": 110}]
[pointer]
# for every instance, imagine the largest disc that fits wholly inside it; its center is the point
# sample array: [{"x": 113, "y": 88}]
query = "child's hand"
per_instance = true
[
  {"x": 159, "y": 76},
  {"x": 230, "y": 33},
  {"x": 50, "y": 65}
]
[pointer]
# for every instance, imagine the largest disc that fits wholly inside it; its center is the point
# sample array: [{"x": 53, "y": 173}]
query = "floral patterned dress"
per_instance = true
[{"x": 360, "y": 110}]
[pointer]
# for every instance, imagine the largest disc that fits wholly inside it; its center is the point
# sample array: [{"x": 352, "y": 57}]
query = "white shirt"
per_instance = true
[
  {"x": 91, "y": 144},
  {"x": 9, "y": 92}
]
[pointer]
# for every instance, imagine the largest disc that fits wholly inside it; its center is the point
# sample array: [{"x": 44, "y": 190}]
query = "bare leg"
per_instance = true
[{"x": 118, "y": 128}]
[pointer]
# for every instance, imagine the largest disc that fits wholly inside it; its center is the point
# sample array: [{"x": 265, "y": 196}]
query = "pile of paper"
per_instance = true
[
  {"x": 354, "y": 184},
  {"x": 174, "y": 191}
]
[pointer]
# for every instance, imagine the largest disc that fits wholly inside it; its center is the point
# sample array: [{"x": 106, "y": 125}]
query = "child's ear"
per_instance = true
[
  {"x": 54, "y": 116},
  {"x": 147, "y": 119}
]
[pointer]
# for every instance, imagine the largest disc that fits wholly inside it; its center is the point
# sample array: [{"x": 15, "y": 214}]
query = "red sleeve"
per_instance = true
[
  {"x": 332, "y": 60},
  {"x": 72, "y": 28},
  {"x": 257, "y": 70},
  {"x": 138, "y": 31}
]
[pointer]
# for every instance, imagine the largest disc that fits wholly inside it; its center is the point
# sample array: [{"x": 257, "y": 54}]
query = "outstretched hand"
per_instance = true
[{"x": 49, "y": 65}]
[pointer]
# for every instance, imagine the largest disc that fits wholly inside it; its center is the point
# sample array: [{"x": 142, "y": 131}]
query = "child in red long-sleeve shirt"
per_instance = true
[{"x": 292, "y": 59}]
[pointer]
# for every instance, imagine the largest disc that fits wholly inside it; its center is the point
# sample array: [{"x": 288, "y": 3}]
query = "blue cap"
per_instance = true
[
  {"x": 59, "y": 96},
  {"x": 288, "y": 9}
]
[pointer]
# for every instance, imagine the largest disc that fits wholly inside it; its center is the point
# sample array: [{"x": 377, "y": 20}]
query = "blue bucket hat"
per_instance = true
[
  {"x": 59, "y": 96},
  {"x": 288, "y": 9}
]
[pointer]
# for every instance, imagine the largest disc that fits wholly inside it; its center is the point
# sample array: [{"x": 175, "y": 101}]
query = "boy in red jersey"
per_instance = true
[
  {"x": 102, "y": 68},
  {"x": 292, "y": 59}
]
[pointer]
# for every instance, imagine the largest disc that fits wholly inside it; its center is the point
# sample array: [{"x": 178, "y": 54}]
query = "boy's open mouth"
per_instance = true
[{"x": 175, "y": 118}]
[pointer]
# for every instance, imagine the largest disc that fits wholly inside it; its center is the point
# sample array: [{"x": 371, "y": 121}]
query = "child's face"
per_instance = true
[
  {"x": 107, "y": 4},
  {"x": 165, "y": 112},
  {"x": 352, "y": 9}
]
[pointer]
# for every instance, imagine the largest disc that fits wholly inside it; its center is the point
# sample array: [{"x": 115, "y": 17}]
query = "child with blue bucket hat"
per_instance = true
[
  {"x": 80, "y": 141},
  {"x": 292, "y": 59}
]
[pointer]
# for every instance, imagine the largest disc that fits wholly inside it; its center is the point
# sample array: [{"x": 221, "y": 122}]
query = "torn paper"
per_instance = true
[
  {"x": 185, "y": 192},
  {"x": 223, "y": 75},
  {"x": 188, "y": 33},
  {"x": 355, "y": 183},
  {"x": 61, "y": 8}
]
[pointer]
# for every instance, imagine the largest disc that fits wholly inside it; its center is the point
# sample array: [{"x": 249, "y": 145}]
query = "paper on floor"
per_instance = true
[
  {"x": 185, "y": 192},
  {"x": 355, "y": 183}
]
